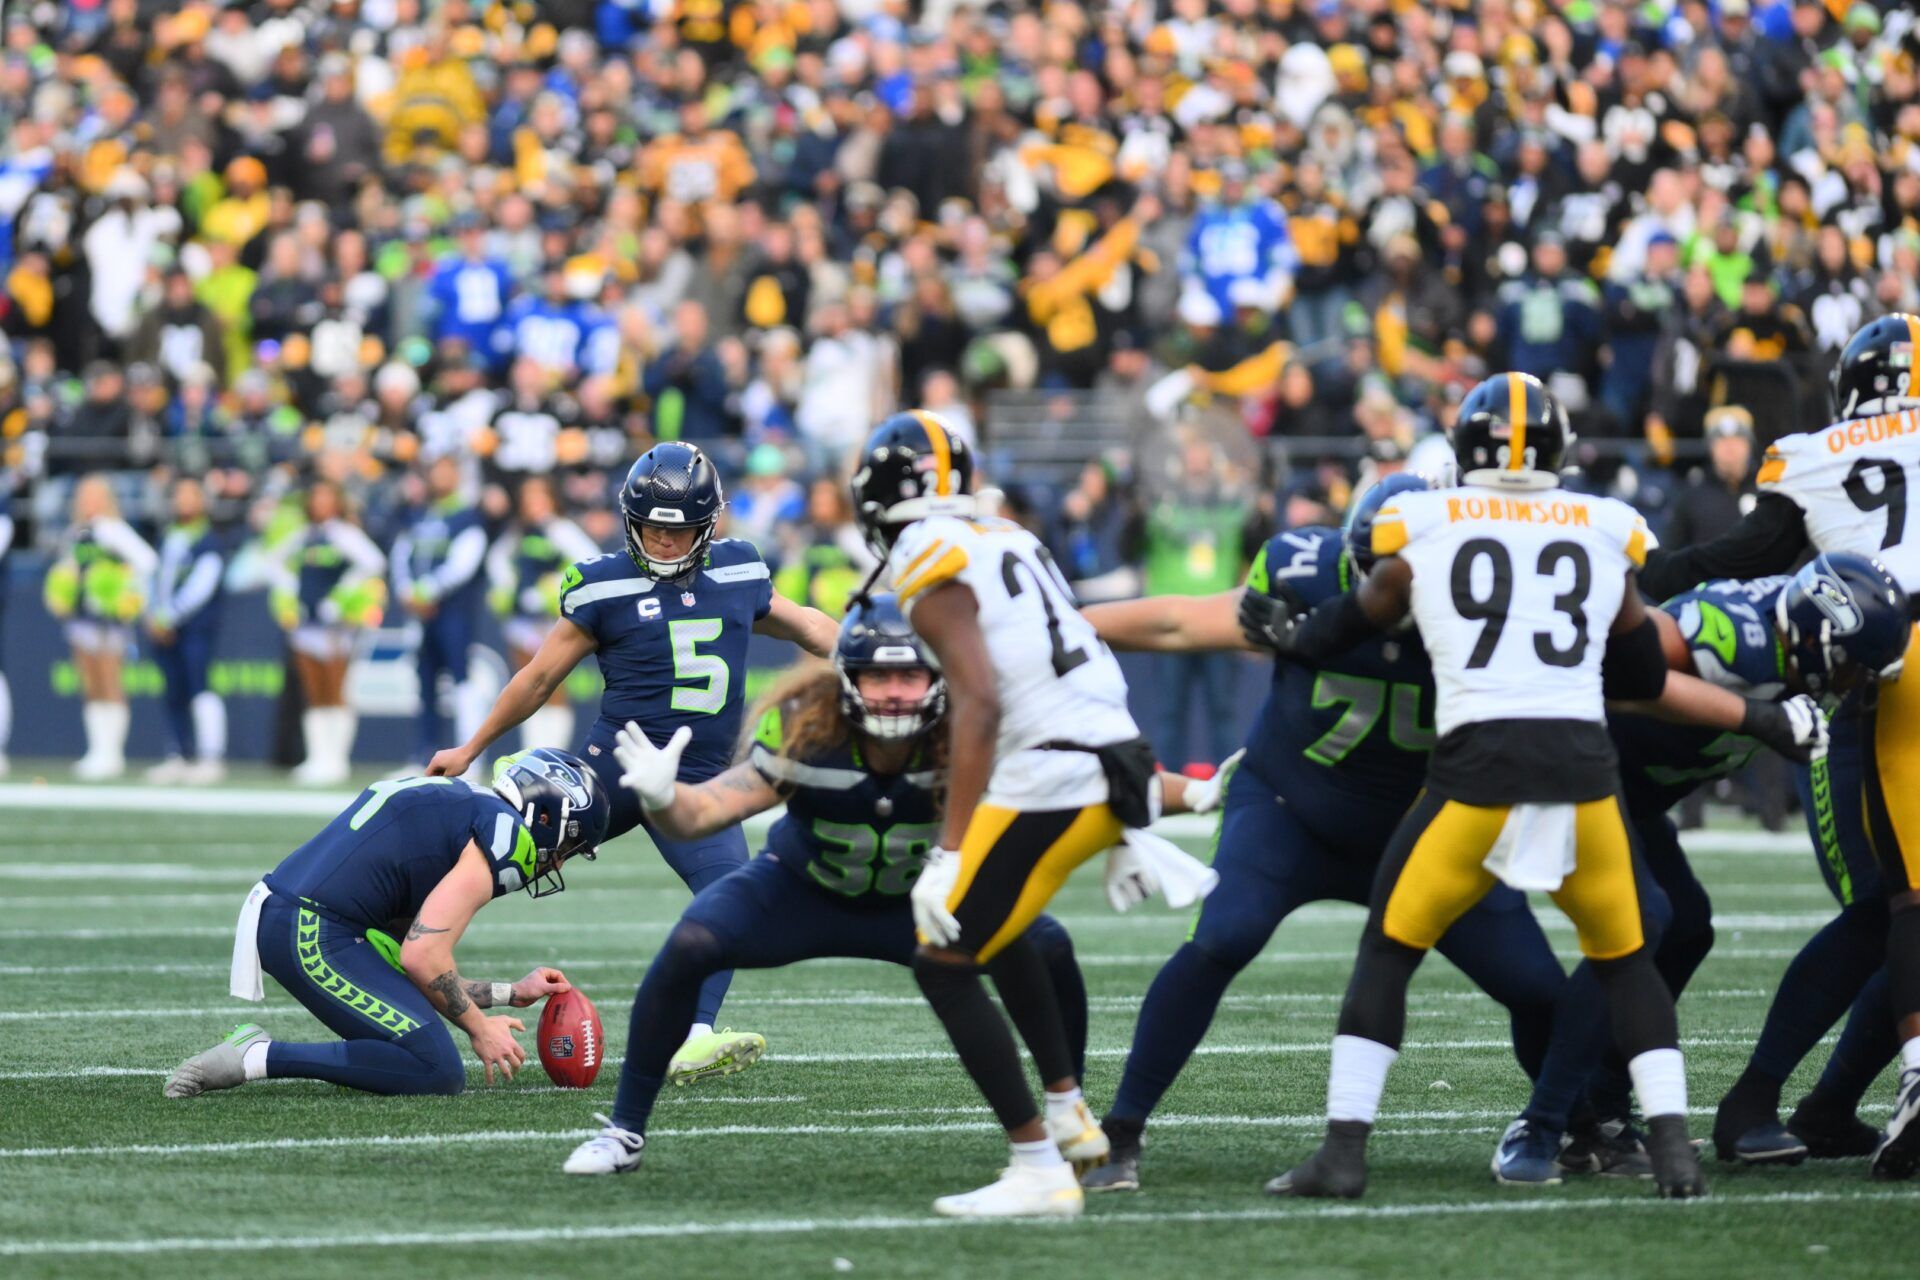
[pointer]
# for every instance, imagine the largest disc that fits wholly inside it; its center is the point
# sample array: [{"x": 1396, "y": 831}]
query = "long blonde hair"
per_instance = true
[{"x": 811, "y": 721}]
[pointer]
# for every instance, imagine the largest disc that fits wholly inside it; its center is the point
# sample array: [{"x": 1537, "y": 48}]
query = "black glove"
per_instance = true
[
  {"x": 1270, "y": 622},
  {"x": 1796, "y": 728}
]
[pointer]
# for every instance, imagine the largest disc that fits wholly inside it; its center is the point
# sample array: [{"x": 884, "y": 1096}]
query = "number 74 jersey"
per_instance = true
[
  {"x": 1851, "y": 483},
  {"x": 1514, "y": 594},
  {"x": 1057, "y": 680}
]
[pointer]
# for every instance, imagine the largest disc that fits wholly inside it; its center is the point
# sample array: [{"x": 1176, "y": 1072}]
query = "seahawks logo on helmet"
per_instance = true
[
  {"x": 567, "y": 779},
  {"x": 1835, "y": 602}
]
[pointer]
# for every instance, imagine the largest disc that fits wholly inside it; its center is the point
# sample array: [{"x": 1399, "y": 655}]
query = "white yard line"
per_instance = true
[{"x": 483, "y": 1235}]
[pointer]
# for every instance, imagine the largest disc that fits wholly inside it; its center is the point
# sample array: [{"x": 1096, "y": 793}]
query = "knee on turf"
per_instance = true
[{"x": 442, "y": 1070}]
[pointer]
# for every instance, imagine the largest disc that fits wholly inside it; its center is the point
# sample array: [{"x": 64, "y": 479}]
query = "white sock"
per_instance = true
[
  {"x": 91, "y": 721},
  {"x": 209, "y": 725},
  {"x": 548, "y": 727},
  {"x": 1357, "y": 1078},
  {"x": 313, "y": 730},
  {"x": 6, "y": 713},
  {"x": 1660, "y": 1082},
  {"x": 1036, "y": 1155},
  {"x": 114, "y": 719},
  {"x": 1061, "y": 1104},
  {"x": 1910, "y": 1055},
  {"x": 254, "y": 1061},
  {"x": 698, "y": 1029},
  {"x": 346, "y": 725},
  {"x": 470, "y": 706}
]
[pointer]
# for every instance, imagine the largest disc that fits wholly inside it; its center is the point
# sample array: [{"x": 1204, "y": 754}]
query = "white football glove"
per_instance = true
[
  {"x": 647, "y": 769},
  {"x": 938, "y": 875},
  {"x": 1809, "y": 723},
  {"x": 1204, "y": 797},
  {"x": 1130, "y": 878}
]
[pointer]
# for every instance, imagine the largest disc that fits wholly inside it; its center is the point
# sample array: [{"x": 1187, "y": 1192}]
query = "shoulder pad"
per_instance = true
[
  {"x": 768, "y": 732},
  {"x": 724, "y": 551}
]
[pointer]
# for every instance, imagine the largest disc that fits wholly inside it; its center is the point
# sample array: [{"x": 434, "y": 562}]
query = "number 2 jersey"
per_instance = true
[
  {"x": 848, "y": 830},
  {"x": 674, "y": 653},
  {"x": 1728, "y": 628},
  {"x": 1514, "y": 593},
  {"x": 1058, "y": 682},
  {"x": 374, "y": 865},
  {"x": 1345, "y": 746},
  {"x": 1850, "y": 482}
]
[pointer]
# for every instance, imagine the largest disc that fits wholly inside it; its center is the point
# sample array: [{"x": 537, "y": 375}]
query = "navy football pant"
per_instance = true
[
  {"x": 1270, "y": 864},
  {"x": 184, "y": 664},
  {"x": 697, "y": 862},
  {"x": 764, "y": 916},
  {"x": 393, "y": 1038}
]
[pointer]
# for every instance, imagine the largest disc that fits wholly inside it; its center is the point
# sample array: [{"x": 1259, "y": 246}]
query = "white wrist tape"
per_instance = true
[{"x": 502, "y": 994}]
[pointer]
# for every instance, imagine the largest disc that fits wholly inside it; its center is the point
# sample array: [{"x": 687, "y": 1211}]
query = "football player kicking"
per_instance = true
[
  {"x": 667, "y": 620},
  {"x": 1046, "y": 769},
  {"x": 1518, "y": 588},
  {"x": 856, "y": 753},
  {"x": 1770, "y": 638},
  {"x": 1335, "y": 756},
  {"x": 417, "y": 856},
  {"x": 1844, "y": 488}
]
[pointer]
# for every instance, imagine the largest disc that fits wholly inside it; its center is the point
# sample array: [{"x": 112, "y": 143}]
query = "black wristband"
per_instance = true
[{"x": 1765, "y": 721}]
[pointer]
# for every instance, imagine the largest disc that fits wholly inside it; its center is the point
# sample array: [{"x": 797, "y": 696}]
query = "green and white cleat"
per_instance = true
[
  {"x": 221, "y": 1067},
  {"x": 712, "y": 1054}
]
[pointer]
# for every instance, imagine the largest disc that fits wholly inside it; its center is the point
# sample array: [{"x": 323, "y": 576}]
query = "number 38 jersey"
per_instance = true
[
  {"x": 1850, "y": 483},
  {"x": 1514, "y": 593},
  {"x": 1057, "y": 681}
]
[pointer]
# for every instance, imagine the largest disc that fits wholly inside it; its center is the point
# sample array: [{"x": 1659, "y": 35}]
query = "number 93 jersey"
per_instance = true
[
  {"x": 1514, "y": 593},
  {"x": 1850, "y": 482},
  {"x": 673, "y": 653},
  {"x": 1057, "y": 680}
]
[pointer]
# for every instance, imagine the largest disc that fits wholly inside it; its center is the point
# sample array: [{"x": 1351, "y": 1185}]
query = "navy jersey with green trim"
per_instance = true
[
  {"x": 1345, "y": 746},
  {"x": 1729, "y": 629},
  {"x": 674, "y": 653},
  {"x": 848, "y": 830},
  {"x": 377, "y": 862}
]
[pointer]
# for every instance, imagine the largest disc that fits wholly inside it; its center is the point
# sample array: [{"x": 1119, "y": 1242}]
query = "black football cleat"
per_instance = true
[
  {"x": 1121, "y": 1172},
  {"x": 1610, "y": 1148},
  {"x": 1747, "y": 1128},
  {"x": 1898, "y": 1155},
  {"x": 1676, "y": 1162},
  {"x": 1832, "y": 1133},
  {"x": 1337, "y": 1171}
]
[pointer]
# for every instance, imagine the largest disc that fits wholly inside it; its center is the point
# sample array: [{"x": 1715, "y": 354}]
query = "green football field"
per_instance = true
[{"x": 115, "y": 930}]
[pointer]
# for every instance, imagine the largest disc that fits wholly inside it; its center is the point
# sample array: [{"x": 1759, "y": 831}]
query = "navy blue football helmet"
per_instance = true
[
  {"x": 1359, "y": 531},
  {"x": 560, "y": 801},
  {"x": 1843, "y": 618},
  {"x": 875, "y": 636},
  {"x": 671, "y": 486}
]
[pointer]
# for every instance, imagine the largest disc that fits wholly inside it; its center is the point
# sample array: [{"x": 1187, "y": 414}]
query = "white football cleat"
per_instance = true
[
  {"x": 204, "y": 773},
  {"x": 612, "y": 1150},
  {"x": 172, "y": 769},
  {"x": 1023, "y": 1191},
  {"x": 221, "y": 1067},
  {"x": 100, "y": 768},
  {"x": 1082, "y": 1142}
]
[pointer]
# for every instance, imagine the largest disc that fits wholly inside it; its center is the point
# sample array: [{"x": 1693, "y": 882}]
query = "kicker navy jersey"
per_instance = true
[
  {"x": 1729, "y": 629},
  {"x": 847, "y": 829},
  {"x": 674, "y": 653},
  {"x": 376, "y": 863},
  {"x": 1344, "y": 746}
]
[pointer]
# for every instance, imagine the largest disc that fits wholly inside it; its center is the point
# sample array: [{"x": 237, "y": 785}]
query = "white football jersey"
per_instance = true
[
  {"x": 1514, "y": 594},
  {"x": 1851, "y": 483},
  {"x": 1057, "y": 680}
]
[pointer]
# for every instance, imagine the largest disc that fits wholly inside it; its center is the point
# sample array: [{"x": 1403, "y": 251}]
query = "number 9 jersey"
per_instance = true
[
  {"x": 1514, "y": 594},
  {"x": 1057, "y": 680},
  {"x": 1850, "y": 483}
]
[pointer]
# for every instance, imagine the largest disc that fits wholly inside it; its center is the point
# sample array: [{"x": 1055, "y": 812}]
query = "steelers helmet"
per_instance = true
[
  {"x": 1511, "y": 433},
  {"x": 1875, "y": 371},
  {"x": 914, "y": 466}
]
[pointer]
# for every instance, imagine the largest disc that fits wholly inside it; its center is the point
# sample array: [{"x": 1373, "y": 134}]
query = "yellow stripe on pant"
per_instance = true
[
  {"x": 996, "y": 833},
  {"x": 1896, "y": 770},
  {"x": 1443, "y": 878}
]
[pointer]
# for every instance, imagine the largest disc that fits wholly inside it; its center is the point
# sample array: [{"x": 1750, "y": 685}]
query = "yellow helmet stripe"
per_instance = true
[
  {"x": 1913, "y": 335},
  {"x": 1517, "y": 421},
  {"x": 942, "y": 453}
]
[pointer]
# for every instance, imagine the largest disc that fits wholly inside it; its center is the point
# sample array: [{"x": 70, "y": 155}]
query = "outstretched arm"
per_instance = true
[
  {"x": 948, "y": 618},
  {"x": 809, "y": 628},
  {"x": 700, "y": 809},
  {"x": 525, "y": 694},
  {"x": 1171, "y": 624}
]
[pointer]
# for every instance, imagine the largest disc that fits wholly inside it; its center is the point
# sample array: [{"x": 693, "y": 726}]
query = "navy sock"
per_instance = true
[
  {"x": 1818, "y": 986},
  {"x": 376, "y": 1066},
  {"x": 663, "y": 1009},
  {"x": 1173, "y": 1020},
  {"x": 1867, "y": 1044}
]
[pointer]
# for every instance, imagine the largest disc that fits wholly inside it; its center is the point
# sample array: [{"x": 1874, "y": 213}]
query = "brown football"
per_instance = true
[{"x": 571, "y": 1042}]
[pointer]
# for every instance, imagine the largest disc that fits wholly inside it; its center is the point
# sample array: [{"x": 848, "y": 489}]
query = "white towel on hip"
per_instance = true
[
  {"x": 243, "y": 980},
  {"x": 1535, "y": 849},
  {"x": 1184, "y": 879}
]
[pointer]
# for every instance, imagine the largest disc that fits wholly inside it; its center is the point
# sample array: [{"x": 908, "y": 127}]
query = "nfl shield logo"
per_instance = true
[
  {"x": 686, "y": 598},
  {"x": 560, "y": 1046}
]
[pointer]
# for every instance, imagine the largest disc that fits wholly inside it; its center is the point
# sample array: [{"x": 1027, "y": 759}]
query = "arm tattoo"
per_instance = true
[
  {"x": 453, "y": 997},
  {"x": 420, "y": 931},
  {"x": 740, "y": 781},
  {"x": 481, "y": 993}
]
